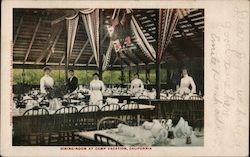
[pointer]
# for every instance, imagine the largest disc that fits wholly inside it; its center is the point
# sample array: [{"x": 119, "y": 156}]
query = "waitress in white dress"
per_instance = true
[
  {"x": 137, "y": 85},
  {"x": 46, "y": 82},
  {"x": 186, "y": 81},
  {"x": 96, "y": 89}
]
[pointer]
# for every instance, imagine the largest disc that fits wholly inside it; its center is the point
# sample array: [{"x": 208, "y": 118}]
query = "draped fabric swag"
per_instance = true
[
  {"x": 141, "y": 40},
  {"x": 71, "y": 23},
  {"x": 107, "y": 56},
  {"x": 168, "y": 19},
  {"x": 91, "y": 22}
]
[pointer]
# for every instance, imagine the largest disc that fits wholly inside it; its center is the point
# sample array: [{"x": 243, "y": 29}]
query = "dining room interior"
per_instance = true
[{"x": 108, "y": 77}]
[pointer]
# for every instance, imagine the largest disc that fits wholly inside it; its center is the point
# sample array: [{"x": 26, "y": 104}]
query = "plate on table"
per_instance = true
[{"x": 130, "y": 140}]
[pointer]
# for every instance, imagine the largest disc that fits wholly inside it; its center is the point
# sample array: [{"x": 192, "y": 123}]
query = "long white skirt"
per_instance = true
[{"x": 95, "y": 97}]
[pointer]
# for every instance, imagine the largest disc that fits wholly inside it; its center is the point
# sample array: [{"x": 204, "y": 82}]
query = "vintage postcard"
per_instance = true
[{"x": 124, "y": 78}]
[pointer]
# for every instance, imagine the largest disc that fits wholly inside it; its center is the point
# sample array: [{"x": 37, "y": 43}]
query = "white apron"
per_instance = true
[{"x": 96, "y": 89}]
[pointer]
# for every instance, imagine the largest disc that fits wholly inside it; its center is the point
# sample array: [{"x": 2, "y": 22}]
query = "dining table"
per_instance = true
[
  {"x": 142, "y": 137},
  {"x": 164, "y": 108},
  {"x": 23, "y": 123},
  {"x": 120, "y": 97}
]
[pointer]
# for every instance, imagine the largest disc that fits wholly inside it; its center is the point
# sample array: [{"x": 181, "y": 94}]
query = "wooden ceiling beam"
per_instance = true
[
  {"x": 61, "y": 61},
  {"x": 130, "y": 58},
  {"x": 58, "y": 20},
  {"x": 140, "y": 58},
  {"x": 188, "y": 47},
  {"x": 85, "y": 45},
  {"x": 53, "y": 46},
  {"x": 81, "y": 51},
  {"x": 18, "y": 30},
  {"x": 32, "y": 40},
  {"x": 193, "y": 25},
  {"x": 186, "y": 44},
  {"x": 172, "y": 53},
  {"x": 116, "y": 58},
  {"x": 52, "y": 39},
  {"x": 122, "y": 60},
  {"x": 55, "y": 66},
  {"x": 90, "y": 59}
]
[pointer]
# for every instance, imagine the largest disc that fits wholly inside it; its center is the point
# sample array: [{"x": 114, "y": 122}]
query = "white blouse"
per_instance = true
[
  {"x": 186, "y": 81},
  {"x": 46, "y": 82},
  {"x": 97, "y": 85}
]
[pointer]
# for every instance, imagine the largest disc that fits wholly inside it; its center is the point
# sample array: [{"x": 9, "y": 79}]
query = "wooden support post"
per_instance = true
[
  {"x": 18, "y": 30},
  {"x": 137, "y": 69},
  {"x": 100, "y": 44},
  {"x": 66, "y": 55},
  {"x": 23, "y": 77},
  {"x": 122, "y": 76},
  {"x": 32, "y": 40},
  {"x": 87, "y": 74},
  {"x": 158, "y": 79},
  {"x": 129, "y": 74},
  {"x": 122, "y": 73},
  {"x": 147, "y": 74},
  {"x": 110, "y": 76},
  {"x": 81, "y": 51}
]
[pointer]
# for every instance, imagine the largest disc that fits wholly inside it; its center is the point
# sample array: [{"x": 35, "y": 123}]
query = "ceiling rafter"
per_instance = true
[
  {"x": 32, "y": 40},
  {"x": 18, "y": 30},
  {"x": 53, "y": 46},
  {"x": 185, "y": 42},
  {"x": 81, "y": 51},
  {"x": 51, "y": 40},
  {"x": 90, "y": 59},
  {"x": 174, "y": 54},
  {"x": 130, "y": 58},
  {"x": 138, "y": 57},
  {"x": 193, "y": 26}
]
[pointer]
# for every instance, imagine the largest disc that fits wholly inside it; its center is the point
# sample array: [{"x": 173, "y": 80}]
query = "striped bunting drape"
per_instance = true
[
  {"x": 141, "y": 40},
  {"x": 71, "y": 23},
  {"x": 106, "y": 58},
  {"x": 91, "y": 22},
  {"x": 168, "y": 19}
]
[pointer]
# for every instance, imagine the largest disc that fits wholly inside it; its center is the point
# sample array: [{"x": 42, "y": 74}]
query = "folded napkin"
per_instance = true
[
  {"x": 79, "y": 95},
  {"x": 147, "y": 125},
  {"x": 84, "y": 90},
  {"x": 125, "y": 130},
  {"x": 182, "y": 129},
  {"x": 161, "y": 138},
  {"x": 155, "y": 127}
]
